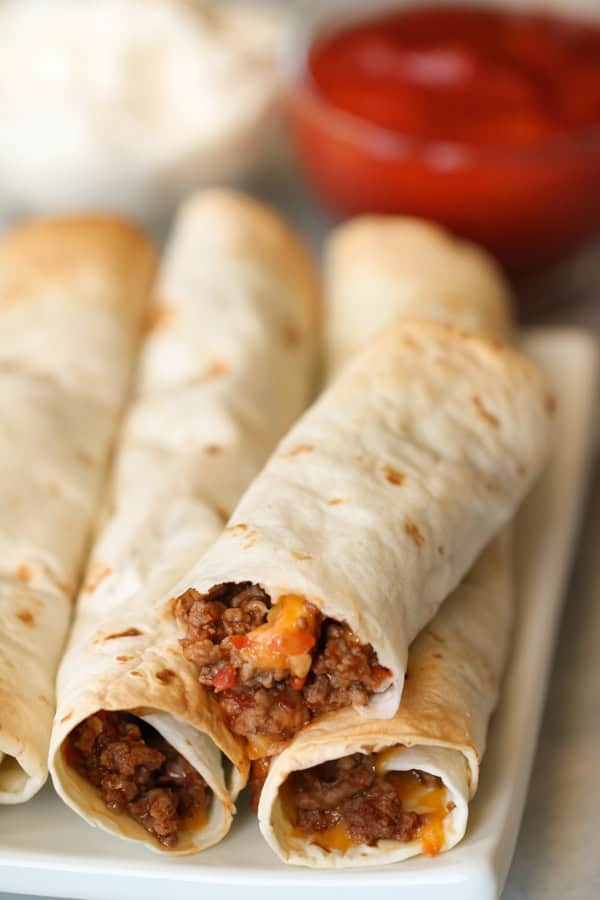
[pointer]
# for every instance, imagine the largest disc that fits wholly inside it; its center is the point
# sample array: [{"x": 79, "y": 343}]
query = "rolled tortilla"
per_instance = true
[
  {"x": 72, "y": 297},
  {"x": 225, "y": 369},
  {"x": 453, "y": 678},
  {"x": 455, "y": 664},
  {"x": 369, "y": 513},
  {"x": 382, "y": 268}
]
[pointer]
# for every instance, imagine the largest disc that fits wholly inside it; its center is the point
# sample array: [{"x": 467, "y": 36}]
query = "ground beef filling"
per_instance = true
[
  {"x": 327, "y": 667},
  {"x": 138, "y": 773},
  {"x": 349, "y": 792}
]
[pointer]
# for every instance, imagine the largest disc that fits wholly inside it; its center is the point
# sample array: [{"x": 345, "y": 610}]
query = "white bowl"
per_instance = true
[{"x": 129, "y": 104}]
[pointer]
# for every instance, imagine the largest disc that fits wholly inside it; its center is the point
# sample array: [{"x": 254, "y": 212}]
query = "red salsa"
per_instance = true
[{"x": 485, "y": 120}]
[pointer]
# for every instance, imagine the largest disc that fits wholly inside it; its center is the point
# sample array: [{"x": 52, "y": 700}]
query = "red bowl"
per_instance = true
[{"x": 530, "y": 206}]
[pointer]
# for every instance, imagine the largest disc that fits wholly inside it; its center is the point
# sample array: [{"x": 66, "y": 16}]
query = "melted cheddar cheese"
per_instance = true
[
  {"x": 259, "y": 746},
  {"x": 336, "y": 838},
  {"x": 288, "y": 634},
  {"x": 430, "y": 803},
  {"x": 433, "y": 835}
]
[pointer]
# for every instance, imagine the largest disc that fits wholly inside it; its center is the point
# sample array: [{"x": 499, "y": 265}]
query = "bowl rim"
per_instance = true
[{"x": 388, "y": 143}]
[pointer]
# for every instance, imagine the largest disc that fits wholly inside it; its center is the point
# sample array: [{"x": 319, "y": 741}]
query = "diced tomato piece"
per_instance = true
[
  {"x": 239, "y": 641},
  {"x": 225, "y": 678}
]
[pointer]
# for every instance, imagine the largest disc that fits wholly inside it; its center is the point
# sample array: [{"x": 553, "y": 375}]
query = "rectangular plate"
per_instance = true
[{"x": 46, "y": 849}]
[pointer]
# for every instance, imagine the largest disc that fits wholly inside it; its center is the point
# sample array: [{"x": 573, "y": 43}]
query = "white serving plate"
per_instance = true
[{"x": 46, "y": 849}]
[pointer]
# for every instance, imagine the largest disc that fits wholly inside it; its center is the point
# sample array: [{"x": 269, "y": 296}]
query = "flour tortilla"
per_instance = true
[
  {"x": 455, "y": 664},
  {"x": 382, "y": 268},
  {"x": 379, "y": 500},
  {"x": 72, "y": 298},
  {"x": 236, "y": 303},
  {"x": 454, "y": 672}
]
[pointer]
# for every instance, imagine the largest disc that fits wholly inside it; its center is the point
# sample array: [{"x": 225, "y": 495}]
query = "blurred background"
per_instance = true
[{"x": 128, "y": 105}]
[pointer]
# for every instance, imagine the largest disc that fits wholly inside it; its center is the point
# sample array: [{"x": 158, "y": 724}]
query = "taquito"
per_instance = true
[
  {"x": 72, "y": 299},
  {"x": 227, "y": 365},
  {"x": 378, "y": 269},
  {"x": 370, "y": 512},
  {"x": 351, "y": 791}
]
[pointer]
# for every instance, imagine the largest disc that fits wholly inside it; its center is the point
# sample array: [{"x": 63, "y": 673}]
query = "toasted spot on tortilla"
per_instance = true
[
  {"x": 96, "y": 573},
  {"x": 292, "y": 335},
  {"x": 43, "y": 699},
  {"x": 159, "y": 316},
  {"x": 85, "y": 457},
  {"x": 438, "y": 655},
  {"x": 217, "y": 368},
  {"x": 67, "y": 586},
  {"x": 551, "y": 403},
  {"x": 123, "y": 658},
  {"x": 222, "y": 513},
  {"x": 436, "y": 637},
  {"x": 235, "y": 529},
  {"x": 135, "y": 672},
  {"x": 128, "y": 632},
  {"x": 335, "y": 501},
  {"x": 54, "y": 488},
  {"x": 465, "y": 335},
  {"x": 66, "y": 717},
  {"x": 24, "y": 573},
  {"x": 521, "y": 469},
  {"x": 165, "y": 676},
  {"x": 485, "y": 414},
  {"x": 298, "y": 554},
  {"x": 213, "y": 449},
  {"x": 441, "y": 549},
  {"x": 359, "y": 457},
  {"x": 393, "y": 475},
  {"x": 409, "y": 342},
  {"x": 25, "y": 616},
  {"x": 413, "y": 532},
  {"x": 300, "y": 448}
]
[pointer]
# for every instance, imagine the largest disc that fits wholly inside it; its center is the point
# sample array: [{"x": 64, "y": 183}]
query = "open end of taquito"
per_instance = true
[
  {"x": 415, "y": 800},
  {"x": 20, "y": 776},
  {"x": 138, "y": 747},
  {"x": 351, "y": 791},
  {"x": 144, "y": 774}
]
